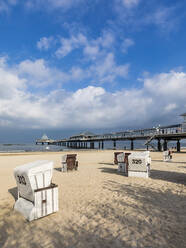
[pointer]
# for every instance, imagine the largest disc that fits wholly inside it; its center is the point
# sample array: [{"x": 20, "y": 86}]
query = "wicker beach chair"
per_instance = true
[
  {"x": 37, "y": 195},
  {"x": 115, "y": 157},
  {"x": 69, "y": 162}
]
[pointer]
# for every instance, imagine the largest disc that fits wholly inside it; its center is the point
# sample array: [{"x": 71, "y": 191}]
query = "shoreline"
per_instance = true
[{"x": 18, "y": 153}]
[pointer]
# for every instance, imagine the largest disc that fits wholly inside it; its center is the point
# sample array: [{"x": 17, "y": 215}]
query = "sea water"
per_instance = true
[
  {"x": 29, "y": 148},
  {"x": 54, "y": 148}
]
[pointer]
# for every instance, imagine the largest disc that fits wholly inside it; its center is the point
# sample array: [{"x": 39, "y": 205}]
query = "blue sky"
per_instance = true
[{"x": 72, "y": 65}]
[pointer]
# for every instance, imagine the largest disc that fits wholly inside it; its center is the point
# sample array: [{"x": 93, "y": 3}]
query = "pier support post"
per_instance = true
[
  {"x": 99, "y": 145},
  {"x": 114, "y": 144},
  {"x": 159, "y": 145},
  {"x": 132, "y": 145},
  {"x": 102, "y": 144},
  {"x": 165, "y": 145},
  {"x": 178, "y": 146}
]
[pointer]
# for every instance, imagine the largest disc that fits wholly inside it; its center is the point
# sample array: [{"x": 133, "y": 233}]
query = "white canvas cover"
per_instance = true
[{"x": 32, "y": 176}]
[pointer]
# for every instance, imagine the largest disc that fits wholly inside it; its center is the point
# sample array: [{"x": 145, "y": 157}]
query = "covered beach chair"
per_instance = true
[
  {"x": 123, "y": 162},
  {"x": 69, "y": 162},
  {"x": 139, "y": 164},
  {"x": 167, "y": 156},
  {"x": 37, "y": 195}
]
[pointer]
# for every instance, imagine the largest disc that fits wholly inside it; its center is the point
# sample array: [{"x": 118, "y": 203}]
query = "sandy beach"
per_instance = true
[{"x": 98, "y": 206}]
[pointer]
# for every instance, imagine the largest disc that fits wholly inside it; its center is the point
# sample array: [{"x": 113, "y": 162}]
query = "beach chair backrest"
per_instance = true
[
  {"x": 64, "y": 158},
  {"x": 115, "y": 157},
  {"x": 71, "y": 161},
  {"x": 138, "y": 162},
  {"x": 33, "y": 176},
  {"x": 121, "y": 157}
]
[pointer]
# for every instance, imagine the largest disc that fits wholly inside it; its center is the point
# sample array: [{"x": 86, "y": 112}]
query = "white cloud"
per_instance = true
[
  {"x": 68, "y": 45},
  {"x": 91, "y": 51},
  {"x": 167, "y": 84},
  {"x": 129, "y": 3},
  {"x": 39, "y": 74},
  {"x": 5, "y": 6},
  {"x": 106, "y": 69},
  {"x": 102, "y": 67},
  {"x": 91, "y": 47},
  {"x": 170, "y": 107},
  {"x": 45, "y": 43},
  {"x": 160, "y": 100},
  {"x": 126, "y": 44},
  {"x": 163, "y": 17},
  {"x": 52, "y": 4}
]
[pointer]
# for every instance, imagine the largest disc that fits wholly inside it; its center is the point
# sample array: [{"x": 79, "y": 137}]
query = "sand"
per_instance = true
[{"x": 98, "y": 206}]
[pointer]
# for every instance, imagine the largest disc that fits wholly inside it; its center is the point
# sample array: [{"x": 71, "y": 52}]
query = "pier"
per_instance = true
[{"x": 162, "y": 135}]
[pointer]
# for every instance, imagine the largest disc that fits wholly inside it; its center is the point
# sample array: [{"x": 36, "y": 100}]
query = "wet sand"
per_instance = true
[{"x": 98, "y": 206}]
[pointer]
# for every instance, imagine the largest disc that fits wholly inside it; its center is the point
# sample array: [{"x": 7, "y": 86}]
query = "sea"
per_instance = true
[{"x": 32, "y": 147}]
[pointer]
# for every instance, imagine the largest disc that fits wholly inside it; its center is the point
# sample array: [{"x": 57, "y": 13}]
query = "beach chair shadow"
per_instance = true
[
  {"x": 58, "y": 169},
  {"x": 170, "y": 176},
  {"x": 14, "y": 193},
  {"x": 107, "y": 163},
  {"x": 182, "y": 167},
  {"x": 161, "y": 161},
  {"x": 108, "y": 170}
]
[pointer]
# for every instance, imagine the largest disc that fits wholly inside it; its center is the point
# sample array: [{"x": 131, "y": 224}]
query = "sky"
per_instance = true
[{"x": 72, "y": 65}]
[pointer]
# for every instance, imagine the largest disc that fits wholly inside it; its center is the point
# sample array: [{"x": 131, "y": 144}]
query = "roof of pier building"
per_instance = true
[
  {"x": 82, "y": 135},
  {"x": 44, "y": 137}
]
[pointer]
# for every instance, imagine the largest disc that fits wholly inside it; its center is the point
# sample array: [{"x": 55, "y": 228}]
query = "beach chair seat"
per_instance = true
[{"x": 37, "y": 195}]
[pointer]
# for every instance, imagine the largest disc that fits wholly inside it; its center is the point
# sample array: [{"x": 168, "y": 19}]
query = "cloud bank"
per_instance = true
[{"x": 161, "y": 98}]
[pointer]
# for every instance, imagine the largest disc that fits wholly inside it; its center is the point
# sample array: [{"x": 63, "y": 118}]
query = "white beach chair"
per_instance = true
[
  {"x": 167, "y": 157},
  {"x": 37, "y": 195},
  {"x": 64, "y": 163},
  {"x": 139, "y": 165}
]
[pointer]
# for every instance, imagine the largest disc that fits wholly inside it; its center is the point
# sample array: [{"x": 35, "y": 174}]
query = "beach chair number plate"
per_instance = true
[
  {"x": 21, "y": 180},
  {"x": 136, "y": 161}
]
